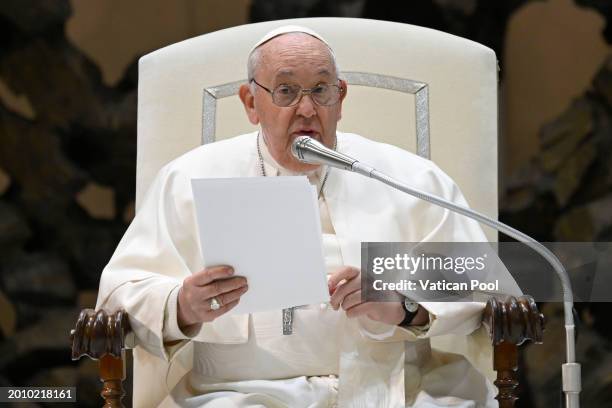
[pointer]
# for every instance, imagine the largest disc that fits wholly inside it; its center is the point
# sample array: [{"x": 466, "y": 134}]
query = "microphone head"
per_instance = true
[
  {"x": 311, "y": 151},
  {"x": 298, "y": 145}
]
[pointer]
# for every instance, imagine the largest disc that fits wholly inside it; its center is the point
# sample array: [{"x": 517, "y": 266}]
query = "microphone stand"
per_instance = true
[{"x": 310, "y": 151}]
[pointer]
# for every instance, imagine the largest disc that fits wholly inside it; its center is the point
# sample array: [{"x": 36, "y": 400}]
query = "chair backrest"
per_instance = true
[{"x": 424, "y": 90}]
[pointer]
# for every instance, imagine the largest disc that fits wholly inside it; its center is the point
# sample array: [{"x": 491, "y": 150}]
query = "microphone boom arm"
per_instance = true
[{"x": 310, "y": 151}]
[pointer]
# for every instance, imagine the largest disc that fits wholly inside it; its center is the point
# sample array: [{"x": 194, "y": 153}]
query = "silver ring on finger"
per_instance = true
[{"x": 215, "y": 304}]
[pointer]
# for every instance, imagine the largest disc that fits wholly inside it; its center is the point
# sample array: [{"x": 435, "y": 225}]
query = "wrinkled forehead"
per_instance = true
[
  {"x": 287, "y": 56},
  {"x": 298, "y": 46}
]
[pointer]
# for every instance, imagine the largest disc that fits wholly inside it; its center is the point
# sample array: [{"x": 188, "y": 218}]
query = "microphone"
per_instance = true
[{"x": 308, "y": 150}]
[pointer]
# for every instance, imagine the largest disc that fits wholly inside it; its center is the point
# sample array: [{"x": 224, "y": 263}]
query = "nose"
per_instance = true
[{"x": 306, "y": 106}]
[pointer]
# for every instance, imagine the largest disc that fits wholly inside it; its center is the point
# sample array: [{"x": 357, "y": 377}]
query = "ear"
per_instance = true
[
  {"x": 344, "y": 87},
  {"x": 248, "y": 101}
]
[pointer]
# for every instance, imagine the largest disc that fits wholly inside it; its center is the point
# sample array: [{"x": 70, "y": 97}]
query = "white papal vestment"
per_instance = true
[{"x": 245, "y": 360}]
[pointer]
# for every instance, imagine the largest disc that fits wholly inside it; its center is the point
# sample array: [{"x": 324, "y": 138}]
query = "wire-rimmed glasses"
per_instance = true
[{"x": 286, "y": 95}]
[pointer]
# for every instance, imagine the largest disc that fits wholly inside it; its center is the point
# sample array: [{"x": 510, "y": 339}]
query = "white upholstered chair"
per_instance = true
[{"x": 424, "y": 90}]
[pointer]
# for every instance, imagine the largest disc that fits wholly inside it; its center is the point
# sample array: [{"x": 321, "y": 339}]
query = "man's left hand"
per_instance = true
[{"x": 345, "y": 289}]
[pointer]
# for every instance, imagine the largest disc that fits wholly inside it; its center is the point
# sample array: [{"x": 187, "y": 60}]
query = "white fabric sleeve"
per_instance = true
[
  {"x": 444, "y": 318},
  {"x": 439, "y": 225},
  {"x": 378, "y": 331},
  {"x": 158, "y": 251}
]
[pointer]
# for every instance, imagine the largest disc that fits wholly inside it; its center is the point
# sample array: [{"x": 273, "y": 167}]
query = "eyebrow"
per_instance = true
[{"x": 290, "y": 73}]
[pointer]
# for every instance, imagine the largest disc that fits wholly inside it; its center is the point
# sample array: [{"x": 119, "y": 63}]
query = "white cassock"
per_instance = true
[{"x": 329, "y": 360}]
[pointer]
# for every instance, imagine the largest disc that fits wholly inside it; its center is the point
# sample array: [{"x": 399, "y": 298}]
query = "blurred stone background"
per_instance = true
[{"x": 68, "y": 80}]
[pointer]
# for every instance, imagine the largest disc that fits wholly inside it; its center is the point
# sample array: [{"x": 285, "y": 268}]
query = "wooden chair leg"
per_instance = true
[
  {"x": 112, "y": 374},
  {"x": 505, "y": 362}
]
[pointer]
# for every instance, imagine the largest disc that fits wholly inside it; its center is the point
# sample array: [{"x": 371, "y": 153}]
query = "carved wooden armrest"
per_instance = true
[
  {"x": 101, "y": 336},
  {"x": 510, "y": 323}
]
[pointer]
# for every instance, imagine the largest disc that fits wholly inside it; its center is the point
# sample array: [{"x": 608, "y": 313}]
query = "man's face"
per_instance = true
[{"x": 300, "y": 59}]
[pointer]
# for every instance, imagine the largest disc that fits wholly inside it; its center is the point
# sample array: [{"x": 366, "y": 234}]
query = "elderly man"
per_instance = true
[{"x": 350, "y": 354}]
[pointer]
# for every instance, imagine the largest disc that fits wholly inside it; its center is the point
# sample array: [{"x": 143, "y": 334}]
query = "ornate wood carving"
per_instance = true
[
  {"x": 510, "y": 323},
  {"x": 98, "y": 333},
  {"x": 101, "y": 336}
]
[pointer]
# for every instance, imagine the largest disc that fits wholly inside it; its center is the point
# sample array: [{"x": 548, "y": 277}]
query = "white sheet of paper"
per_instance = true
[{"x": 269, "y": 230}]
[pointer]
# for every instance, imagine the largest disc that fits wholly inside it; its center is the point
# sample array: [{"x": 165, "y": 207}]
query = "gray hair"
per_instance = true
[{"x": 254, "y": 61}]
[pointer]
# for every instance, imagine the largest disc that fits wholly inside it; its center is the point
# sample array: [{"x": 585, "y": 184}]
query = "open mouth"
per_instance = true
[{"x": 310, "y": 133}]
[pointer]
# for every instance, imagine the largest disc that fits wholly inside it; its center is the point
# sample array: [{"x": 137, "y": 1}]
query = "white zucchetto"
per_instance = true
[{"x": 285, "y": 30}]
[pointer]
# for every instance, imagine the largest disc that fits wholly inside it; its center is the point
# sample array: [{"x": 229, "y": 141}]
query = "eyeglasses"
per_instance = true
[{"x": 286, "y": 95}]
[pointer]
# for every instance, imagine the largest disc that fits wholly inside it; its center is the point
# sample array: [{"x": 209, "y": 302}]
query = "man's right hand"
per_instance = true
[{"x": 200, "y": 288}]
